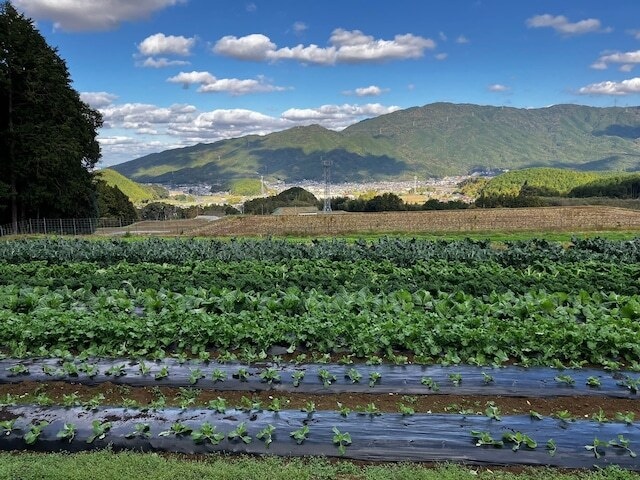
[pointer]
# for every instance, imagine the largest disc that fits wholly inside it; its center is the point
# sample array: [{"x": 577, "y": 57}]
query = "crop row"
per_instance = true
[
  {"x": 399, "y": 251},
  {"x": 331, "y": 277},
  {"x": 535, "y": 328},
  {"x": 376, "y": 437}
]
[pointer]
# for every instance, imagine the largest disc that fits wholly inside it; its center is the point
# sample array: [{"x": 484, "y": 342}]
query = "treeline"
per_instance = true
[{"x": 390, "y": 202}]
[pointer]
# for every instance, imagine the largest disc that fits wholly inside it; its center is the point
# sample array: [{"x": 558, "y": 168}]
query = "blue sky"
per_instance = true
[{"x": 172, "y": 73}]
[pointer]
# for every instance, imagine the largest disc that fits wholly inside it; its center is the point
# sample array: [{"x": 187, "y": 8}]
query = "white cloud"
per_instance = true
[
  {"x": 441, "y": 56},
  {"x": 625, "y": 87},
  {"x": 91, "y": 15},
  {"x": 462, "y": 39},
  {"x": 98, "y": 99},
  {"x": 628, "y": 58},
  {"x": 141, "y": 115},
  {"x": 497, "y": 87},
  {"x": 370, "y": 91},
  {"x": 336, "y": 117},
  {"x": 626, "y": 68},
  {"x": 634, "y": 33},
  {"x": 251, "y": 7},
  {"x": 563, "y": 26},
  {"x": 345, "y": 47},
  {"x": 442, "y": 36},
  {"x": 299, "y": 27},
  {"x": 234, "y": 86},
  {"x": 161, "y": 44},
  {"x": 161, "y": 62}
]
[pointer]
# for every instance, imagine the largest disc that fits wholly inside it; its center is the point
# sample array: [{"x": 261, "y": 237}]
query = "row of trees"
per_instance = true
[{"x": 48, "y": 135}]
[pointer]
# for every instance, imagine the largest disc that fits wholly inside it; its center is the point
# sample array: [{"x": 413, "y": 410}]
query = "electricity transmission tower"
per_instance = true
[{"x": 326, "y": 165}]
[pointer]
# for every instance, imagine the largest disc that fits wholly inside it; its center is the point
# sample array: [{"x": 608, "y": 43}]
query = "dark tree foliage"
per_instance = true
[
  {"x": 292, "y": 197},
  {"x": 165, "y": 211},
  {"x": 621, "y": 186},
  {"x": 113, "y": 203},
  {"x": 47, "y": 134}
]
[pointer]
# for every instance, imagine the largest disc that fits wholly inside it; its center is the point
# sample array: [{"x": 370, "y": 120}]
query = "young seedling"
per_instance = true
[
  {"x": 226, "y": 357},
  {"x": 346, "y": 359},
  {"x": 143, "y": 369},
  {"x": 595, "y": 446},
  {"x": 248, "y": 404},
  {"x": 219, "y": 405},
  {"x": 176, "y": 429},
  {"x": 7, "y": 426},
  {"x": 266, "y": 435},
  {"x": 204, "y": 356},
  {"x": 327, "y": 377},
  {"x": 34, "y": 432},
  {"x": 195, "y": 375},
  {"x": 207, "y": 433},
  {"x": 49, "y": 370},
  {"x": 430, "y": 383},
  {"x": 600, "y": 416},
  {"x": 70, "y": 369},
  {"x": 43, "y": 399},
  {"x": 130, "y": 403},
  {"x": 276, "y": 404},
  {"x": 564, "y": 416},
  {"x": 622, "y": 442},
  {"x": 242, "y": 374},
  {"x": 456, "y": 379},
  {"x": 300, "y": 358},
  {"x": 565, "y": 379},
  {"x": 369, "y": 409},
  {"x": 324, "y": 358},
  {"x": 18, "y": 369},
  {"x": 309, "y": 408},
  {"x": 99, "y": 429},
  {"x": 141, "y": 430},
  {"x": 551, "y": 447},
  {"x": 89, "y": 369},
  {"x": 626, "y": 417},
  {"x": 158, "y": 403},
  {"x": 187, "y": 397},
  {"x": 535, "y": 415},
  {"x": 239, "y": 433},
  {"x": 341, "y": 440},
  {"x": 300, "y": 435},
  {"x": 67, "y": 433},
  {"x": 8, "y": 400},
  {"x": 485, "y": 439},
  {"x": 270, "y": 375},
  {"x": 519, "y": 438},
  {"x": 116, "y": 370},
  {"x": 297, "y": 376},
  {"x": 94, "y": 402},
  {"x": 353, "y": 375},
  {"x": 343, "y": 410},
  {"x": 493, "y": 412},
  {"x": 593, "y": 382},
  {"x": 218, "y": 375},
  {"x": 374, "y": 360},
  {"x": 70, "y": 400},
  {"x": 406, "y": 410},
  {"x": 162, "y": 373},
  {"x": 633, "y": 384},
  {"x": 486, "y": 378},
  {"x": 374, "y": 377}
]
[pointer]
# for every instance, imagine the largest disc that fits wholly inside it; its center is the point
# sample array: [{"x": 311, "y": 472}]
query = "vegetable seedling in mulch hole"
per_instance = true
[
  {"x": 270, "y": 375},
  {"x": 353, "y": 375},
  {"x": 519, "y": 438},
  {"x": 297, "y": 377},
  {"x": 176, "y": 429},
  {"x": 207, "y": 433},
  {"x": 327, "y": 377},
  {"x": 242, "y": 374},
  {"x": 266, "y": 435},
  {"x": 218, "y": 375},
  {"x": 374, "y": 377},
  {"x": 116, "y": 371},
  {"x": 430, "y": 383},
  {"x": 7, "y": 426},
  {"x": 239, "y": 433},
  {"x": 565, "y": 379},
  {"x": 624, "y": 443},
  {"x": 219, "y": 405},
  {"x": 595, "y": 446},
  {"x": 141, "y": 430},
  {"x": 99, "y": 429},
  {"x": 341, "y": 440},
  {"x": 34, "y": 432},
  {"x": 485, "y": 439},
  {"x": 195, "y": 375},
  {"x": 68, "y": 432},
  {"x": 626, "y": 417},
  {"x": 163, "y": 373},
  {"x": 301, "y": 434},
  {"x": 18, "y": 369}
]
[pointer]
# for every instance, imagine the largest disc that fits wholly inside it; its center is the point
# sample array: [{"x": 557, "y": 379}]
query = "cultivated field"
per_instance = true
[{"x": 581, "y": 218}]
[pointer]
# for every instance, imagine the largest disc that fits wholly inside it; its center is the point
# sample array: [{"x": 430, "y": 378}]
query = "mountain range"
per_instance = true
[{"x": 433, "y": 140}]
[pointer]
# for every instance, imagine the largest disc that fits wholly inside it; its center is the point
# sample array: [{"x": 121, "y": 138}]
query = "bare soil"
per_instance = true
[{"x": 579, "y": 407}]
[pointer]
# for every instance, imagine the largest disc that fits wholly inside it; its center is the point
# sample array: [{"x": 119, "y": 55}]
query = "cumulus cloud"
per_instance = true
[
  {"x": 91, "y": 15},
  {"x": 233, "y": 86},
  {"x": 626, "y": 68},
  {"x": 462, "y": 39},
  {"x": 142, "y": 115},
  {"x": 346, "y": 46},
  {"x": 627, "y": 58},
  {"x": 299, "y": 27},
  {"x": 634, "y": 33},
  {"x": 497, "y": 87},
  {"x": 161, "y": 44},
  {"x": 98, "y": 99},
  {"x": 563, "y": 26},
  {"x": 336, "y": 117},
  {"x": 370, "y": 91},
  {"x": 625, "y": 87}
]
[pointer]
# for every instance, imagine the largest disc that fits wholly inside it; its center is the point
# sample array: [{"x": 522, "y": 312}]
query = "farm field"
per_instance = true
[{"x": 521, "y": 353}]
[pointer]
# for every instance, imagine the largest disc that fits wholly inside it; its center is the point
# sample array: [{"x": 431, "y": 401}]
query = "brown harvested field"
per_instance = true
[
  {"x": 579, "y": 218},
  {"x": 152, "y": 227}
]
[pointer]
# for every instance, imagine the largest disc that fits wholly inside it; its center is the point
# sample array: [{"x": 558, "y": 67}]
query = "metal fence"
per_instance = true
[{"x": 61, "y": 226}]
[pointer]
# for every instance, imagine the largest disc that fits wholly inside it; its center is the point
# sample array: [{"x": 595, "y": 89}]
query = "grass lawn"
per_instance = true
[{"x": 106, "y": 465}]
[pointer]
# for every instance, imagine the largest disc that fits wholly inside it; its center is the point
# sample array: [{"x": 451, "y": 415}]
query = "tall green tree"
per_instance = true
[{"x": 48, "y": 135}]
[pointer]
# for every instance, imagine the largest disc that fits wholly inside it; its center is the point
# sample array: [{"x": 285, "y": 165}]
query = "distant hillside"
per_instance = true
[
  {"x": 434, "y": 140},
  {"x": 137, "y": 193}
]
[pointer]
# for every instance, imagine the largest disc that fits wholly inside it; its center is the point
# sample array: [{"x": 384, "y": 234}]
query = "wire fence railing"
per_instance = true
[{"x": 61, "y": 226}]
